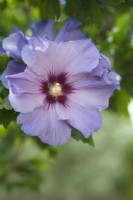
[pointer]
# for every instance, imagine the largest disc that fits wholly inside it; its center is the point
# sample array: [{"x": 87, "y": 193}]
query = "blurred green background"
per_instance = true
[{"x": 30, "y": 169}]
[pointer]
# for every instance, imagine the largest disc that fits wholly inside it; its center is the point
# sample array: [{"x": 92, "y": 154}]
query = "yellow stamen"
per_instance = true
[{"x": 55, "y": 90}]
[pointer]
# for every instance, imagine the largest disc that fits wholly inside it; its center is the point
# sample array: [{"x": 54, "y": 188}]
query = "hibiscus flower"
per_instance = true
[{"x": 65, "y": 85}]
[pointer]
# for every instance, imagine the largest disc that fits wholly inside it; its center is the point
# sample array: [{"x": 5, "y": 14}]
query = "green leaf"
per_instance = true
[
  {"x": 72, "y": 8},
  {"x": 88, "y": 12},
  {"x": 6, "y": 116},
  {"x": 78, "y": 136},
  {"x": 49, "y": 9},
  {"x": 96, "y": 13},
  {"x": 3, "y": 62},
  {"x": 119, "y": 102},
  {"x": 35, "y": 2},
  {"x": 5, "y": 104},
  {"x": 113, "y": 2},
  {"x": 3, "y": 4}
]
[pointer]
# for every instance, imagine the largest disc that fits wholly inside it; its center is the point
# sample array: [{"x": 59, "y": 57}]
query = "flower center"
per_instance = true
[{"x": 55, "y": 89}]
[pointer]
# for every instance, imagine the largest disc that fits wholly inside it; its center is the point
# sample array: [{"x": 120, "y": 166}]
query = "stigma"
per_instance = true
[{"x": 55, "y": 89}]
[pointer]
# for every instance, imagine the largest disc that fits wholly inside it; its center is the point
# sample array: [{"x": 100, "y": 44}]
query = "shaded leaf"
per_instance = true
[
  {"x": 52, "y": 150},
  {"x": 5, "y": 104},
  {"x": 3, "y": 4},
  {"x": 3, "y": 62},
  {"x": 49, "y": 9},
  {"x": 119, "y": 102},
  {"x": 6, "y": 116},
  {"x": 113, "y": 2},
  {"x": 96, "y": 13},
  {"x": 78, "y": 136}
]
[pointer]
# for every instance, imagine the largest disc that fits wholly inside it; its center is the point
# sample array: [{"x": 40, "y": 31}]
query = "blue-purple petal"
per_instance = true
[
  {"x": 66, "y": 57},
  {"x": 70, "y": 31},
  {"x": 25, "y": 93},
  {"x": 32, "y": 123},
  {"x": 44, "y": 27},
  {"x": 105, "y": 71},
  {"x": 85, "y": 120},
  {"x": 14, "y": 44},
  {"x": 12, "y": 68},
  {"x": 2, "y": 51},
  {"x": 56, "y": 131},
  {"x": 25, "y": 102},
  {"x": 44, "y": 123},
  {"x": 22, "y": 83},
  {"x": 16, "y": 29},
  {"x": 77, "y": 56}
]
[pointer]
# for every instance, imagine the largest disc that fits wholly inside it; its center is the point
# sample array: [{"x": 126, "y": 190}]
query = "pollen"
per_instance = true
[{"x": 55, "y": 90}]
